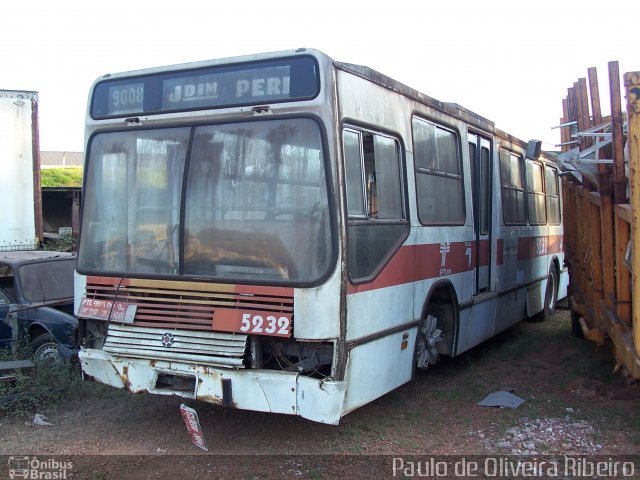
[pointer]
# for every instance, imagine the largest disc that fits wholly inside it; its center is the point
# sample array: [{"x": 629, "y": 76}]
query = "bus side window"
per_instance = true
[
  {"x": 439, "y": 184},
  {"x": 374, "y": 194},
  {"x": 353, "y": 173},
  {"x": 513, "y": 195},
  {"x": 382, "y": 176},
  {"x": 535, "y": 194},
  {"x": 553, "y": 195},
  {"x": 372, "y": 166}
]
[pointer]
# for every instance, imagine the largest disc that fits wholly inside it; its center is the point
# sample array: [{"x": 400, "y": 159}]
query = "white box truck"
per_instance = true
[{"x": 21, "y": 212}]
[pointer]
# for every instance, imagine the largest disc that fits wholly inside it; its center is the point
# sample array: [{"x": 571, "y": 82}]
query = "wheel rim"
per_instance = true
[
  {"x": 428, "y": 338},
  {"x": 47, "y": 353}
]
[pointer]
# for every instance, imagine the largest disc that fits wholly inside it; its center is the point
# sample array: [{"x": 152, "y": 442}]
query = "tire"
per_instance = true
[
  {"x": 429, "y": 336},
  {"x": 551, "y": 294},
  {"x": 45, "y": 349}
]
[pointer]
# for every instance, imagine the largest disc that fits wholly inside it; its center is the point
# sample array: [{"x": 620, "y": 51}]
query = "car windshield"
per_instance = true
[
  {"x": 46, "y": 281},
  {"x": 252, "y": 205}
]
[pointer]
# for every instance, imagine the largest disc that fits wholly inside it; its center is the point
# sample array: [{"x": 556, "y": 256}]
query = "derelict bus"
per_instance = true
[{"x": 286, "y": 233}]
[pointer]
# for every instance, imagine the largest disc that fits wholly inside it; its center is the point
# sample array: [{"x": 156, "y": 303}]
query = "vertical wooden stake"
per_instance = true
[
  {"x": 619, "y": 177},
  {"x": 583, "y": 108},
  {"x": 632, "y": 86}
]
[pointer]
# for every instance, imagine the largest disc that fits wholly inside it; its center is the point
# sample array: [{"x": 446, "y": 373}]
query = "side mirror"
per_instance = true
[{"x": 534, "y": 147}]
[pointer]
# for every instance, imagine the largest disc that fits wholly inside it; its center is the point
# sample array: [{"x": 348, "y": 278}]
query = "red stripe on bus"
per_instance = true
[
  {"x": 532, "y": 247},
  {"x": 413, "y": 263}
]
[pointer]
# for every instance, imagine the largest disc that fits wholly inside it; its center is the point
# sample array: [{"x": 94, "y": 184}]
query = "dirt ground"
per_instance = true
[{"x": 574, "y": 405}]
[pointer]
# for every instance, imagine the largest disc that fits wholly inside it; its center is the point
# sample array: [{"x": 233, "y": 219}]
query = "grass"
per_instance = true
[
  {"x": 64, "y": 243},
  {"x": 61, "y": 177},
  {"x": 437, "y": 411},
  {"x": 33, "y": 388},
  {"x": 413, "y": 418},
  {"x": 44, "y": 386},
  {"x": 315, "y": 474},
  {"x": 540, "y": 361},
  {"x": 39, "y": 388}
]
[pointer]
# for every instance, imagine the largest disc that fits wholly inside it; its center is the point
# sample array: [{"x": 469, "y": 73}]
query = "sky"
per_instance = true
[{"x": 509, "y": 61}]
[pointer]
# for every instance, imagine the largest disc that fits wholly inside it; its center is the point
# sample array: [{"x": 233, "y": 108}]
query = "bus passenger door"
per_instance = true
[{"x": 480, "y": 161}]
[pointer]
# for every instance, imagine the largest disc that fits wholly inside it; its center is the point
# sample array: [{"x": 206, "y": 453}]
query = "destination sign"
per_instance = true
[
  {"x": 121, "y": 312},
  {"x": 271, "y": 81}
]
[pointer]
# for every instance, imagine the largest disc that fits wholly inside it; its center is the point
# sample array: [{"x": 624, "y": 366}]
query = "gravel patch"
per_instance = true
[{"x": 549, "y": 435}]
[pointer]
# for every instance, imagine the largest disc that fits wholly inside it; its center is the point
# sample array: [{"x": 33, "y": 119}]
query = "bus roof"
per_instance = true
[{"x": 449, "y": 108}]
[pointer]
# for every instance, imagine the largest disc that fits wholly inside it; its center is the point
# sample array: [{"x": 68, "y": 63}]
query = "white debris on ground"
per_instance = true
[
  {"x": 41, "y": 420},
  {"x": 565, "y": 436}
]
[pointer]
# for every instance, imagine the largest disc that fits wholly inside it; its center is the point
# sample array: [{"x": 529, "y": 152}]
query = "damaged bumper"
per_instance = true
[{"x": 259, "y": 390}]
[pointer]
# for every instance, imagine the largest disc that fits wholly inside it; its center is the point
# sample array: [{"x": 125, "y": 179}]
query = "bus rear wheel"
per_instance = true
[{"x": 429, "y": 335}]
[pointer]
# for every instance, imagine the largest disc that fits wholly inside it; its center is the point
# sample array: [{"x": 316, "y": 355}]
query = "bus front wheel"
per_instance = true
[{"x": 429, "y": 335}]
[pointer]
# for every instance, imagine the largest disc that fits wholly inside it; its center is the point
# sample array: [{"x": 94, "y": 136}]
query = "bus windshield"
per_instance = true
[{"x": 253, "y": 204}]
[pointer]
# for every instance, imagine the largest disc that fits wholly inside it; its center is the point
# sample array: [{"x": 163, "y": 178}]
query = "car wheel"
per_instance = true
[{"x": 45, "y": 349}]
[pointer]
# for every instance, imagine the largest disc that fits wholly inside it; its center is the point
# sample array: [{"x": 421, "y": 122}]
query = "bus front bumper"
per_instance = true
[{"x": 259, "y": 390}]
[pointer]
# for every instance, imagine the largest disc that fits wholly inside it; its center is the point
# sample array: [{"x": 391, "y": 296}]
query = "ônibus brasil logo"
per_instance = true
[{"x": 33, "y": 467}]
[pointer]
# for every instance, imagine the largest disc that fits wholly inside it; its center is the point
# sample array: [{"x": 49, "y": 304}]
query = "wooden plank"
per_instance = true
[
  {"x": 565, "y": 132},
  {"x": 15, "y": 365},
  {"x": 572, "y": 115},
  {"x": 619, "y": 177},
  {"x": 583, "y": 108},
  {"x": 595, "y": 242},
  {"x": 632, "y": 86},
  {"x": 608, "y": 250},
  {"x": 594, "y": 91},
  {"x": 578, "y": 113},
  {"x": 623, "y": 211},
  {"x": 623, "y": 278},
  {"x": 586, "y": 251},
  {"x": 579, "y": 244},
  {"x": 603, "y": 170},
  {"x": 606, "y": 205},
  {"x": 571, "y": 103},
  {"x": 567, "y": 214}
]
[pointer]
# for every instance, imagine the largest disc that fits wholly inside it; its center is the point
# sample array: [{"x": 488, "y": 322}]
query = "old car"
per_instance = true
[{"x": 36, "y": 302}]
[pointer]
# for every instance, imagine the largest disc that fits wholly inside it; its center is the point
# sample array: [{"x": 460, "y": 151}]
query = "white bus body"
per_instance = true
[{"x": 298, "y": 238}]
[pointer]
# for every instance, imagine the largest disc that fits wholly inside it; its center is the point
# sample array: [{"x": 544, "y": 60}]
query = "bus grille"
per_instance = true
[
  {"x": 207, "y": 348},
  {"x": 186, "y": 305}
]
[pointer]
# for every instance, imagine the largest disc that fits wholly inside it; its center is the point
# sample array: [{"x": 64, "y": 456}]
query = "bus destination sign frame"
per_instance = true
[{"x": 221, "y": 86}]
